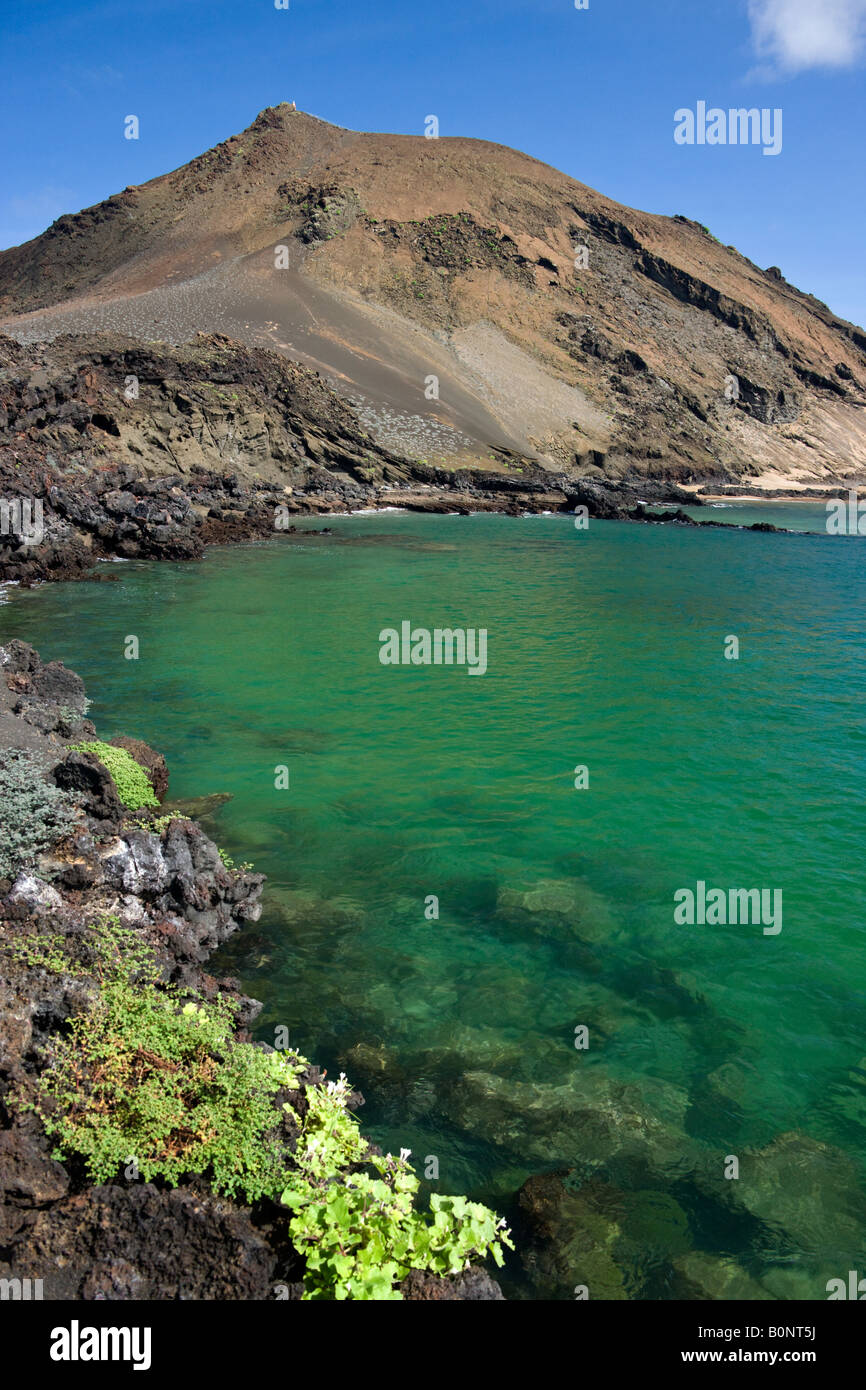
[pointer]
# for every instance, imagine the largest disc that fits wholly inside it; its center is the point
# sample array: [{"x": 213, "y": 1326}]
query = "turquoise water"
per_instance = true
[
  {"x": 795, "y": 516},
  {"x": 605, "y": 649}
]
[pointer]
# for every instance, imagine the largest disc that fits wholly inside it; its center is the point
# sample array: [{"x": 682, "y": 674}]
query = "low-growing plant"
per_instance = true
[
  {"x": 35, "y": 814},
  {"x": 144, "y": 1074},
  {"x": 150, "y": 1074},
  {"x": 158, "y": 824},
  {"x": 133, "y": 785},
  {"x": 362, "y": 1235},
  {"x": 37, "y": 951},
  {"x": 229, "y": 863}
]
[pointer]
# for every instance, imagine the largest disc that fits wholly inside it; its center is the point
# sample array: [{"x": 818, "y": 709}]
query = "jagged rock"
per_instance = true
[
  {"x": 35, "y": 896},
  {"x": 49, "y": 698},
  {"x": 53, "y": 684},
  {"x": 84, "y": 775},
  {"x": 472, "y": 1286},
  {"x": 51, "y": 718},
  {"x": 19, "y": 658},
  {"x": 136, "y": 865},
  {"x": 28, "y": 1173},
  {"x": 134, "y": 1242},
  {"x": 181, "y": 876},
  {"x": 79, "y": 867}
]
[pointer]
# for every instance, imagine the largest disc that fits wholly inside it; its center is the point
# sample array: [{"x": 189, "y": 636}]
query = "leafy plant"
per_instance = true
[
  {"x": 35, "y": 814},
  {"x": 229, "y": 863},
  {"x": 361, "y": 1236},
  {"x": 134, "y": 787},
  {"x": 148, "y": 1075},
  {"x": 37, "y": 951},
  {"x": 144, "y": 1074}
]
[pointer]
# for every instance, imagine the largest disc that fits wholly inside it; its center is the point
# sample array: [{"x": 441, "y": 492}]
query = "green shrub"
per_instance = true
[
  {"x": 362, "y": 1235},
  {"x": 134, "y": 787},
  {"x": 34, "y": 813},
  {"x": 142, "y": 1076},
  {"x": 146, "y": 1076}
]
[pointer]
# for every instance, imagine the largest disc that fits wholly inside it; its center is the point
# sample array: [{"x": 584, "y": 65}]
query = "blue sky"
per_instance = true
[{"x": 590, "y": 91}]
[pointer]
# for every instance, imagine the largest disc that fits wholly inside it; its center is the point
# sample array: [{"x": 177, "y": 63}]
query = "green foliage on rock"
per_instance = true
[
  {"x": 142, "y": 1077},
  {"x": 158, "y": 824},
  {"x": 145, "y": 1075},
  {"x": 360, "y": 1232},
  {"x": 229, "y": 863},
  {"x": 152, "y": 1075},
  {"x": 134, "y": 787},
  {"x": 34, "y": 813}
]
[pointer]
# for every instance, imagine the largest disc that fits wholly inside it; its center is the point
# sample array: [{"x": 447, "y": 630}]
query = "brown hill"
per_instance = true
[{"x": 668, "y": 355}]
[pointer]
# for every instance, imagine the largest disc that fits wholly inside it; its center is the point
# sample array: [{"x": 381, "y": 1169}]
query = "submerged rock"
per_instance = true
[
  {"x": 592, "y": 1123},
  {"x": 807, "y": 1194},
  {"x": 702, "y": 1276},
  {"x": 567, "y": 1241},
  {"x": 197, "y": 807},
  {"x": 559, "y": 908}
]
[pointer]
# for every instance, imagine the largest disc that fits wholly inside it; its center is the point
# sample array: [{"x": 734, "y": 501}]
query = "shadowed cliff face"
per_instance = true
[
  {"x": 111, "y": 448},
  {"x": 466, "y": 297}
]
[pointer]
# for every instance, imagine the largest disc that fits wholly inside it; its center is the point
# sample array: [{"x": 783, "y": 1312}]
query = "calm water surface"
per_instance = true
[{"x": 605, "y": 648}]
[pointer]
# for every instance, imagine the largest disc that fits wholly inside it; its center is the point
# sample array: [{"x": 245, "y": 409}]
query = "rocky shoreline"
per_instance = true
[
  {"x": 167, "y": 886},
  {"x": 113, "y": 449}
]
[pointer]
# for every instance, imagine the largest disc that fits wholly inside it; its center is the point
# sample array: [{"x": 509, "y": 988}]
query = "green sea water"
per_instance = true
[{"x": 606, "y": 649}]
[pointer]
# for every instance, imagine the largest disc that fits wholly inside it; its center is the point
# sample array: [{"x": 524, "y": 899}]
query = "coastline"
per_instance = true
[
  {"x": 153, "y": 887},
  {"x": 223, "y": 443}
]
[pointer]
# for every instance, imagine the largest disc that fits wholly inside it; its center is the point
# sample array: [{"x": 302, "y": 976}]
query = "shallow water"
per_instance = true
[
  {"x": 808, "y": 515},
  {"x": 556, "y": 905}
]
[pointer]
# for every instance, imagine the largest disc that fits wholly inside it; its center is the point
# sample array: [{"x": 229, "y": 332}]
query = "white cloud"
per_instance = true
[{"x": 799, "y": 34}]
